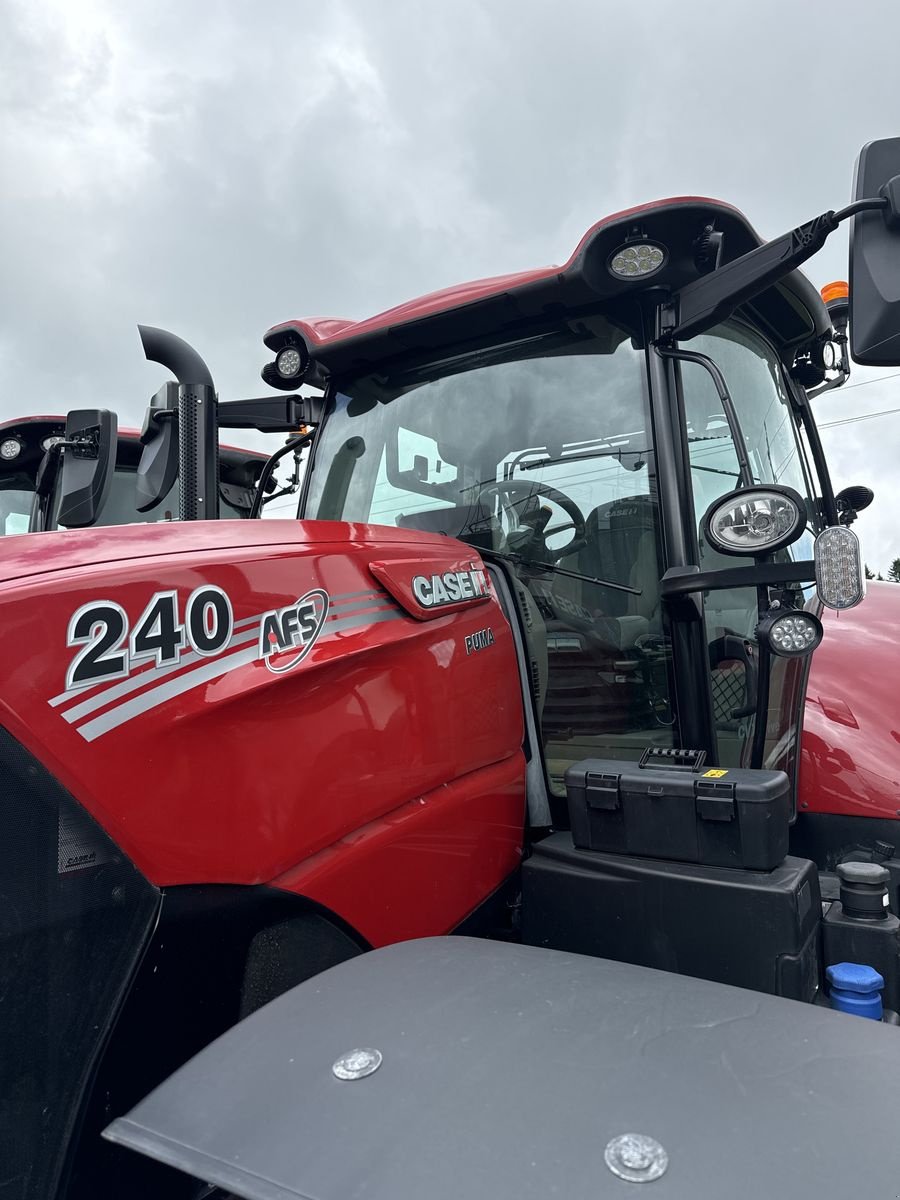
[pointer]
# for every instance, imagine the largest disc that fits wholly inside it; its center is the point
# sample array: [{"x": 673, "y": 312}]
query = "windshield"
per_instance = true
[
  {"x": 541, "y": 457},
  {"x": 770, "y": 429}
]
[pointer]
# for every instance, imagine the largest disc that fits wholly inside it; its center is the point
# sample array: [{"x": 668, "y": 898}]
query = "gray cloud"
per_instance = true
[{"x": 218, "y": 167}]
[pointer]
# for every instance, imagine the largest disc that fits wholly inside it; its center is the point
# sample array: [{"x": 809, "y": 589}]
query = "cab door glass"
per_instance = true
[
  {"x": 769, "y": 428},
  {"x": 544, "y": 461}
]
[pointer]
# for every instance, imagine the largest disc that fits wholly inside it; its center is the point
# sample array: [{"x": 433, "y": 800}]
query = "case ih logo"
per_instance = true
[
  {"x": 295, "y": 627},
  {"x": 453, "y": 587}
]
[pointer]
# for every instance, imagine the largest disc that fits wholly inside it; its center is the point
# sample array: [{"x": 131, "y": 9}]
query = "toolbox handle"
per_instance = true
[{"x": 672, "y": 758}]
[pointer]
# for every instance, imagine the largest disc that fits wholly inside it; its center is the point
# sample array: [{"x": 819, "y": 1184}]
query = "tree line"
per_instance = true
[{"x": 893, "y": 575}]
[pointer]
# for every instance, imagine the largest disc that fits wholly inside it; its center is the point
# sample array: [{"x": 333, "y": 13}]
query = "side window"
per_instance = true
[
  {"x": 15, "y": 510},
  {"x": 773, "y": 450}
]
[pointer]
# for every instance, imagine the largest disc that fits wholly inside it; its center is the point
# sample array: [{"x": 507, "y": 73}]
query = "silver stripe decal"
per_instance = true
[
  {"x": 114, "y": 691},
  {"x": 143, "y": 676},
  {"x": 134, "y": 682},
  {"x": 210, "y": 670}
]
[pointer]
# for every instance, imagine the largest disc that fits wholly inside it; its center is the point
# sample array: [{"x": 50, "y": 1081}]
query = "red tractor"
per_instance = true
[
  {"x": 31, "y": 482},
  {"x": 533, "y": 664}
]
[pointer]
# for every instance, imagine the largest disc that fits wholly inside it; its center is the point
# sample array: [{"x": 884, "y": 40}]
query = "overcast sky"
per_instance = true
[{"x": 215, "y": 168}]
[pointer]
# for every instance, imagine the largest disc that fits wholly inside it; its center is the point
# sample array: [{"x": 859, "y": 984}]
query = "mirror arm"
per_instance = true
[
  {"x": 713, "y": 298},
  {"x": 296, "y": 443},
  {"x": 866, "y": 205}
]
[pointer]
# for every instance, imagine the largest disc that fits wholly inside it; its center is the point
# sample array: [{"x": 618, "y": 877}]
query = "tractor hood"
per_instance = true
[
  {"x": 25, "y": 555},
  {"x": 514, "y": 1072}
]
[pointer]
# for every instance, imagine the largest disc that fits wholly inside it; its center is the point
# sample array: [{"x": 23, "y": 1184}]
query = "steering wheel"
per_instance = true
[{"x": 540, "y": 532}]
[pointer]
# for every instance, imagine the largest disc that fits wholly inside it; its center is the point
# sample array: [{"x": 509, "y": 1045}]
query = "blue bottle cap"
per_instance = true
[{"x": 855, "y": 977}]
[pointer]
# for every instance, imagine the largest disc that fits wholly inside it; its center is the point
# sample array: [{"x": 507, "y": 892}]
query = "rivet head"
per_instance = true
[
  {"x": 357, "y": 1064},
  {"x": 636, "y": 1158}
]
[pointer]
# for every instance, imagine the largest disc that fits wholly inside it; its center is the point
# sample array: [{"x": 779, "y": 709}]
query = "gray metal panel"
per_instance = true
[{"x": 508, "y": 1069}]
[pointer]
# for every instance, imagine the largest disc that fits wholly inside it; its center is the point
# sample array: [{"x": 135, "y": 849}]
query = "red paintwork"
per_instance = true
[
  {"x": 322, "y": 333},
  {"x": 850, "y": 745},
  {"x": 388, "y": 757}
]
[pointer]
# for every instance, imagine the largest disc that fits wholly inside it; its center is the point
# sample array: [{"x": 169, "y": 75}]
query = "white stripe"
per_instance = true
[
  {"x": 202, "y": 674},
  {"x": 141, "y": 678},
  {"x": 114, "y": 690},
  {"x": 133, "y": 682}
]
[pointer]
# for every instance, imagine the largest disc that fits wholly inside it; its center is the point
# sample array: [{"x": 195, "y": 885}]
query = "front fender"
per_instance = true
[{"x": 850, "y": 741}]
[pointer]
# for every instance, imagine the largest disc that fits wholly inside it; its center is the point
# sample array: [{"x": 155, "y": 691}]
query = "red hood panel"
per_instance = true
[
  {"x": 38, "y": 553},
  {"x": 245, "y": 702}
]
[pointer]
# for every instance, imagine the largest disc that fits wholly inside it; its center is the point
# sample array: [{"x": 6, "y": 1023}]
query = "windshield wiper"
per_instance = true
[
  {"x": 520, "y": 560},
  {"x": 618, "y": 452}
]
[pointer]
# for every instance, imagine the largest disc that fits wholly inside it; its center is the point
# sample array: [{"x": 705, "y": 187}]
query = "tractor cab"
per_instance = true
[{"x": 563, "y": 442}]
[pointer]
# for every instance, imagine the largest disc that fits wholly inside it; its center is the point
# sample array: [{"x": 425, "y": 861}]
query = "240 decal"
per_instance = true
[{"x": 110, "y": 647}]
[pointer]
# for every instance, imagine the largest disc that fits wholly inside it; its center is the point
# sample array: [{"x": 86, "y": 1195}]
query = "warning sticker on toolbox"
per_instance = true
[{"x": 715, "y": 774}]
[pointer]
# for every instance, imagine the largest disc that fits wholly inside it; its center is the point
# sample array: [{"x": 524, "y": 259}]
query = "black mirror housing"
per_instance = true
[
  {"x": 875, "y": 258},
  {"x": 89, "y": 460}
]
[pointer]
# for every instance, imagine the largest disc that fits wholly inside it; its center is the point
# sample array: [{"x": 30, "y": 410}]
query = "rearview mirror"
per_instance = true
[
  {"x": 875, "y": 258},
  {"x": 88, "y": 463}
]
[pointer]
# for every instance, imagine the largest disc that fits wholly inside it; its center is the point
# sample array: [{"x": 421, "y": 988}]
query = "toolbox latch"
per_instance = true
[
  {"x": 715, "y": 801},
  {"x": 602, "y": 791}
]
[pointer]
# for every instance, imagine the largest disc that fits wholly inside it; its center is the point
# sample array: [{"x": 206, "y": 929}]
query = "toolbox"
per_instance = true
[{"x": 670, "y": 806}]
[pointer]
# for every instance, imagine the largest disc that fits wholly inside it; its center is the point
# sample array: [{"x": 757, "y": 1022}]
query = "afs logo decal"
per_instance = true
[{"x": 295, "y": 627}]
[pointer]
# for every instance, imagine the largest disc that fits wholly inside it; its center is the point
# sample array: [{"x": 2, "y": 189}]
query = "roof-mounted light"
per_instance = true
[
  {"x": 49, "y": 442},
  {"x": 839, "y": 290},
  {"x": 636, "y": 260},
  {"x": 289, "y": 367},
  {"x": 10, "y": 448},
  {"x": 290, "y": 362},
  {"x": 755, "y": 520}
]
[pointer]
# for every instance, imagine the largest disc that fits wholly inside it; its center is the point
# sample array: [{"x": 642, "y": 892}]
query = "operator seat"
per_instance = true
[{"x": 621, "y": 546}]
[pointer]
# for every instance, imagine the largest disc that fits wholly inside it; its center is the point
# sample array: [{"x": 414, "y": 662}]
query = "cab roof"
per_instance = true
[{"x": 791, "y": 313}]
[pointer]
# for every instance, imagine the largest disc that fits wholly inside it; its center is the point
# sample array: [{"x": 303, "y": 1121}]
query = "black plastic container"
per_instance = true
[
  {"x": 725, "y": 818},
  {"x": 755, "y": 930}
]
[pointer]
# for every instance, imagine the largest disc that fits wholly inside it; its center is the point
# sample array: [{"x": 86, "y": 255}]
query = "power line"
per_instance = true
[
  {"x": 863, "y": 417},
  {"x": 865, "y": 382}
]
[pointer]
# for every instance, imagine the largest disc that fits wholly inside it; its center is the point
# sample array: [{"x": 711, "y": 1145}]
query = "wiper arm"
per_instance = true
[
  {"x": 520, "y": 560},
  {"x": 618, "y": 452}
]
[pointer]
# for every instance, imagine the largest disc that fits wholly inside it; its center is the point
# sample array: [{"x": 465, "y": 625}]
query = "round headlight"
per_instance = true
[
  {"x": 755, "y": 520},
  {"x": 290, "y": 362},
  {"x": 636, "y": 259},
  {"x": 10, "y": 448},
  {"x": 790, "y": 634},
  {"x": 49, "y": 442}
]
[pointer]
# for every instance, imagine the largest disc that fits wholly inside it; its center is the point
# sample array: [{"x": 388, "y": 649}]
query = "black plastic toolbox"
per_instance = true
[{"x": 669, "y": 806}]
